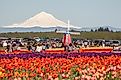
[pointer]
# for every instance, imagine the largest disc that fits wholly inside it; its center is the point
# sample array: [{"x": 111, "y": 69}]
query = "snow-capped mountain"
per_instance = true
[
  {"x": 42, "y": 19},
  {"x": 42, "y": 22}
]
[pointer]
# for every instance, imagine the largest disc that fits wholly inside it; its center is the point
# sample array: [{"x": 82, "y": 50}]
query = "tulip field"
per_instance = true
[{"x": 66, "y": 66}]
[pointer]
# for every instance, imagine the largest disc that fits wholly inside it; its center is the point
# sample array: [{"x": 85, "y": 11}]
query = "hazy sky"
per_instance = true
[{"x": 82, "y": 13}]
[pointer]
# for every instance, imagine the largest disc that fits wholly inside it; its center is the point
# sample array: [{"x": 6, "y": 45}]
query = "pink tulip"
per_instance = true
[
  {"x": 56, "y": 79},
  {"x": 88, "y": 77},
  {"x": 49, "y": 77},
  {"x": 93, "y": 78},
  {"x": 15, "y": 79},
  {"x": 76, "y": 78},
  {"x": 19, "y": 78},
  {"x": 118, "y": 67},
  {"x": 83, "y": 76}
]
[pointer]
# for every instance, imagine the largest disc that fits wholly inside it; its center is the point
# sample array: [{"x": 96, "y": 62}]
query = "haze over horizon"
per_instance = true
[{"x": 82, "y": 13}]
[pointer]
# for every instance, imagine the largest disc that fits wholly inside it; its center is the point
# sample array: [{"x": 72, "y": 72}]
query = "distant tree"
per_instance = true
[
  {"x": 111, "y": 31},
  {"x": 16, "y": 32},
  {"x": 96, "y": 30},
  {"x": 72, "y": 30},
  {"x": 55, "y": 30},
  {"x": 107, "y": 29},
  {"x": 91, "y": 30},
  {"x": 100, "y": 29},
  {"x": 117, "y": 31}
]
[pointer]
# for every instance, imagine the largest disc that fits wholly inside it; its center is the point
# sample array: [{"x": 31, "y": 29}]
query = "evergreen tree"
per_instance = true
[
  {"x": 95, "y": 30},
  {"x": 107, "y": 29},
  {"x": 55, "y": 30},
  {"x": 91, "y": 30}
]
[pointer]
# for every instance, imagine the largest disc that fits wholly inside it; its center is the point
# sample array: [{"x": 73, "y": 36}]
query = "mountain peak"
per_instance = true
[
  {"x": 43, "y": 19},
  {"x": 43, "y": 14}
]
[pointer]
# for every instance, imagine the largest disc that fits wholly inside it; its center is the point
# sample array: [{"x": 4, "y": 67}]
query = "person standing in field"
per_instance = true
[
  {"x": 9, "y": 46},
  {"x": 29, "y": 46},
  {"x": 4, "y": 44},
  {"x": 39, "y": 48}
]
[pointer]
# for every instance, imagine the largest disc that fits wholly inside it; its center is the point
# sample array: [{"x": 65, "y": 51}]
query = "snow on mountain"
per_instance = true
[{"x": 42, "y": 19}]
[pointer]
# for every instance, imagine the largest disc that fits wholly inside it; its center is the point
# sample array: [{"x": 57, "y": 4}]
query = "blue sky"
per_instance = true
[{"x": 82, "y": 13}]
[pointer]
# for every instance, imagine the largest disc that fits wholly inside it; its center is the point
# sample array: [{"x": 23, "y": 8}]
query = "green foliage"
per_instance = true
[
  {"x": 102, "y": 29},
  {"x": 83, "y": 35},
  {"x": 59, "y": 76}
]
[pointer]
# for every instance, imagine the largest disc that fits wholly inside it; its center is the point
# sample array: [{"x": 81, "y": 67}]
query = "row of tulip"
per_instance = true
[
  {"x": 56, "y": 55},
  {"x": 41, "y": 66},
  {"x": 14, "y": 52}
]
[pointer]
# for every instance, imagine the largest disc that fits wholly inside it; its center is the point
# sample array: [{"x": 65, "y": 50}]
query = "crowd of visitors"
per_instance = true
[{"x": 37, "y": 46}]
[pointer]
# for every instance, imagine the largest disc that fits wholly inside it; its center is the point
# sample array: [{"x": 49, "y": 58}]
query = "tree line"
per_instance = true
[{"x": 101, "y": 29}]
